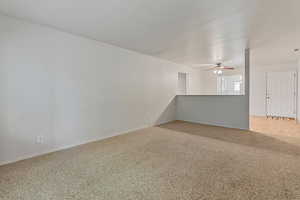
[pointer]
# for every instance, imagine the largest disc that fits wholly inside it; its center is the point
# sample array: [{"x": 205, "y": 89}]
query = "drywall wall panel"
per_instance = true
[
  {"x": 58, "y": 90},
  {"x": 226, "y": 111}
]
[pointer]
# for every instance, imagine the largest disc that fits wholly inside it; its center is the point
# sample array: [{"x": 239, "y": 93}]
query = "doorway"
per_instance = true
[{"x": 182, "y": 83}]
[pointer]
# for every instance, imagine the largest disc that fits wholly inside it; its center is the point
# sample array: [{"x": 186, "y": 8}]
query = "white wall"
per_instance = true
[
  {"x": 258, "y": 85},
  {"x": 72, "y": 90},
  {"x": 195, "y": 83},
  {"x": 227, "y": 111},
  {"x": 209, "y": 81},
  {"x": 258, "y": 93}
]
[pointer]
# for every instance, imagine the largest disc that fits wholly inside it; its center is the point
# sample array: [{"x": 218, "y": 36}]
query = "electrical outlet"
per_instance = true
[{"x": 39, "y": 139}]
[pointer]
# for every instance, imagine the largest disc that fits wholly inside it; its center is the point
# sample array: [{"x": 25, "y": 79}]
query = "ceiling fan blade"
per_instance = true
[
  {"x": 203, "y": 65},
  {"x": 209, "y": 69},
  {"x": 228, "y": 68}
]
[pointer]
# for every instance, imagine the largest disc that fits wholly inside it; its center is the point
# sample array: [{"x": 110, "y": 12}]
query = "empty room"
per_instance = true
[{"x": 148, "y": 100}]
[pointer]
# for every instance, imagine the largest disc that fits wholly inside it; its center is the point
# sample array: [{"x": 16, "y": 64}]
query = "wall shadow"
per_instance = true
[
  {"x": 168, "y": 114},
  {"x": 241, "y": 137}
]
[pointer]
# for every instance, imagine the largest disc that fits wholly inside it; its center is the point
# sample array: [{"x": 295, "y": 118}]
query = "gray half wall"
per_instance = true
[{"x": 226, "y": 111}]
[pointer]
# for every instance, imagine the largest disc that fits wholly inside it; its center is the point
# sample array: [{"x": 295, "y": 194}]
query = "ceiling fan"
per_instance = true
[{"x": 217, "y": 68}]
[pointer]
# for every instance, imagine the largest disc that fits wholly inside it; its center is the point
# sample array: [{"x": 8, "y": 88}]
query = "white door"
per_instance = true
[{"x": 281, "y": 94}]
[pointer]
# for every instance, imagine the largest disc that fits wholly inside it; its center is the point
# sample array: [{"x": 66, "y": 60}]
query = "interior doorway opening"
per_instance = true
[{"x": 182, "y": 83}]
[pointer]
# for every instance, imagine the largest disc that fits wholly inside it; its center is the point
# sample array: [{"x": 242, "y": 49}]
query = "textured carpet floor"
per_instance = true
[{"x": 174, "y": 161}]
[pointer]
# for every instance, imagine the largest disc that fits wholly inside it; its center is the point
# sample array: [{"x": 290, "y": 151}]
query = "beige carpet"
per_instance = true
[{"x": 175, "y": 161}]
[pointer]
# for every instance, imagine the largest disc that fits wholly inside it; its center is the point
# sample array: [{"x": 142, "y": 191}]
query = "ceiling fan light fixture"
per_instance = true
[{"x": 218, "y": 72}]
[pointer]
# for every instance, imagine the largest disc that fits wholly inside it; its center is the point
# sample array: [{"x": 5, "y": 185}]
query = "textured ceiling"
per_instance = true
[{"x": 189, "y": 32}]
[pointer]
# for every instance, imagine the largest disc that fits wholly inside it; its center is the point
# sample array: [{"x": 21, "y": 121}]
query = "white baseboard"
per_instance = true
[{"x": 25, "y": 157}]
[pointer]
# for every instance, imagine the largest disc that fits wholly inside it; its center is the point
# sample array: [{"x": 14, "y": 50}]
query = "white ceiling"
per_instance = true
[{"x": 183, "y": 31}]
